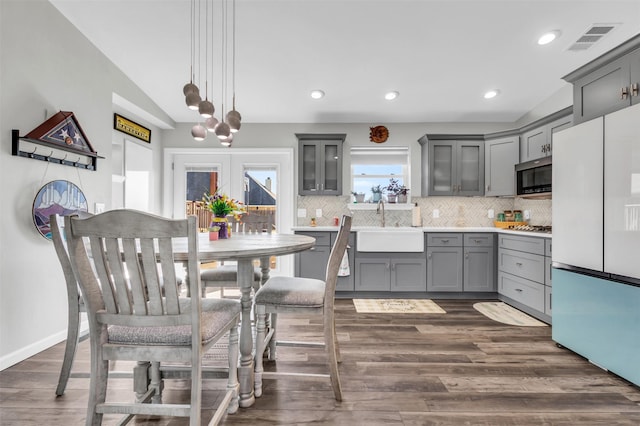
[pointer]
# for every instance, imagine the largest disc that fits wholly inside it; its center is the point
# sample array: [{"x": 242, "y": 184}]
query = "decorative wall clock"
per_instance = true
[
  {"x": 378, "y": 134},
  {"x": 59, "y": 196}
]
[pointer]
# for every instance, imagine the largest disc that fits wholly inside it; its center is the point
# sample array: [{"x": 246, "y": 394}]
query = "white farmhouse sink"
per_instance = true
[{"x": 390, "y": 240}]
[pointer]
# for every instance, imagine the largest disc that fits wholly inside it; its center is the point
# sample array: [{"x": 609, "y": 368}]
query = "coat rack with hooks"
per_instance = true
[{"x": 58, "y": 140}]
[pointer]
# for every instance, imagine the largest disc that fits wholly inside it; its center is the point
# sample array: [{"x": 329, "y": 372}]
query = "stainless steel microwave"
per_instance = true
[{"x": 533, "y": 178}]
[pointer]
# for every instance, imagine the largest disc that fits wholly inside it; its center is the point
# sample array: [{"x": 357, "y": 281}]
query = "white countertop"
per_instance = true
[{"x": 427, "y": 229}]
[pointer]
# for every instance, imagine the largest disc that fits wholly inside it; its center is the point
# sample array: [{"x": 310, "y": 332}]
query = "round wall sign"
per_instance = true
[
  {"x": 56, "y": 197},
  {"x": 378, "y": 134}
]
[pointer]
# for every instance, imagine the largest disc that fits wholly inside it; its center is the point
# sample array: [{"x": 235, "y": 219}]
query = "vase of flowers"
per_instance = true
[{"x": 221, "y": 206}]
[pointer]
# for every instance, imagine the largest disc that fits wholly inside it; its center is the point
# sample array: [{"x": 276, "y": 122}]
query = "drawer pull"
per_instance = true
[
  {"x": 477, "y": 241},
  {"x": 444, "y": 241},
  {"x": 519, "y": 264},
  {"x": 519, "y": 290}
]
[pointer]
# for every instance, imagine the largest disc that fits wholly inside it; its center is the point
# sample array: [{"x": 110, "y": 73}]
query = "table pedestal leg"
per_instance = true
[{"x": 245, "y": 370}]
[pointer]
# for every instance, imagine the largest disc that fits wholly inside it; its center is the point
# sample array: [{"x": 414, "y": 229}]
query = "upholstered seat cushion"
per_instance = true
[
  {"x": 216, "y": 314},
  {"x": 291, "y": 291},
  {"x": 225, "y": 273}
]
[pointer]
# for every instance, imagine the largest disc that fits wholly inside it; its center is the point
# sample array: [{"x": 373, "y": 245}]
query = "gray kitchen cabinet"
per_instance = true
[
  {"x": 500, "y": 157},
  {"x": 538, "y": 142},
  {"x": 346, "y": 283},
  {"x": 444, "y": 262},
  {"x": 312, "y": 263},
  {"x": 523, "y": 274},
  {"x": 479, "y": 263},
  {"x": 395, "y": 272},
  {"x": 452, "y": 167},
  {"x": 607, "y": 84},
  {"x": 320, "y": 164}
]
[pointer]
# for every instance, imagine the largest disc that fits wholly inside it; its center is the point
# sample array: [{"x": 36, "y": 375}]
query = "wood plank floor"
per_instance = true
[{"x": 398, "y": 369}]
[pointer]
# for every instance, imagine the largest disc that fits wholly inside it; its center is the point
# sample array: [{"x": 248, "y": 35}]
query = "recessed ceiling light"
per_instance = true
[
  {"x": 317, "y": 94},
  {"x": 548, "y": 37},
  {"x": 391, "y": 95},
  {"x": 491, "y": 94}
]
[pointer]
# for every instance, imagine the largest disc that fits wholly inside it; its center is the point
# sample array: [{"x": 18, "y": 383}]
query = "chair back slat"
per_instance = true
[
  {"x": 335, "y": 259},
  {"x": 106, "y": 283},
  {"x": 115, "y": 267},
  {"x": 169, "y": 279},
  {"x": 135, "y": 285},
  {"x": 152, "y": 284}
]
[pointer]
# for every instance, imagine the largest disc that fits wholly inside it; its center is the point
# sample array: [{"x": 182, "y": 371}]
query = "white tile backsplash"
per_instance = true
[{"x": 453, "y": 211}]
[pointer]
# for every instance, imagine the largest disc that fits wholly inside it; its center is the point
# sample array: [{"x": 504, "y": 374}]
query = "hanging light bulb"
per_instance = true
[
  {"x": 228, "y": 141},
  {"x": 206, "y": 109},
  {"x": 222, "y": 130},
  {"x": 211, "y": 123},
  {"x": 233, "y": 118},
  {"x": 198, "y": 132},
  {"x": 193, "y": 100}
]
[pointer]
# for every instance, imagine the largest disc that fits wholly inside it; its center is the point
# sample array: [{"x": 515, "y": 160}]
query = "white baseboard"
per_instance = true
[{"x": 37, "y": 347}]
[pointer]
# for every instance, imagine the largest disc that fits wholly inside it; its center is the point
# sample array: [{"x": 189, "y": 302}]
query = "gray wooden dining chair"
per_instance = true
[
  {"x": 282, "y": 295},
  {"x": 74, "y": 300},
  {"x": 123, "y": 261},
  {"x": 226, "y": 275}
]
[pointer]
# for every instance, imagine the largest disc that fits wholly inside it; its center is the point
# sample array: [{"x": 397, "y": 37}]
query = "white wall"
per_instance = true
[{"x": 47, "y": 66}]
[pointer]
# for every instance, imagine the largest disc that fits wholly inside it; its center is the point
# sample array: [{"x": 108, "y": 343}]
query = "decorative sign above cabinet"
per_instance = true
[{"x": 378, "y": 134}]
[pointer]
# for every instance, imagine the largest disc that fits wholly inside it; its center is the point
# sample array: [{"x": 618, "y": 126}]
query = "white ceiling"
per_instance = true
[{"x": 440, "y": 55}]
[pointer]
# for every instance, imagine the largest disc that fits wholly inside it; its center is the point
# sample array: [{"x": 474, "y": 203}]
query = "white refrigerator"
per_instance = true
[{"x": 596, "y": 196}]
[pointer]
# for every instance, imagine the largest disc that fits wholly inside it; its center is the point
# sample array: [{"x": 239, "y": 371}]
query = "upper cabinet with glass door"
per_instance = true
[
  {"x": 452, "y": 167},
  {"x": 320, "y": 163}
]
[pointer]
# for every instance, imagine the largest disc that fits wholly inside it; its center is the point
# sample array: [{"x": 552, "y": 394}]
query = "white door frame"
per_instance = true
[{"x": 232, "y": 163}]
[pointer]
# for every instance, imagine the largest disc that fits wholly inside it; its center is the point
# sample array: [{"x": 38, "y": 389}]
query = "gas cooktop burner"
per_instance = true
[{"x": 533, "y": 228}]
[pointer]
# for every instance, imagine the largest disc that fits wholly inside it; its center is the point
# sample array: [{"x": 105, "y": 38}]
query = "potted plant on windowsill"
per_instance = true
[
  {"x": 396, "y": 192},
  {"x": 377, "y": 193},
  {"x": 359, "y": 197}
]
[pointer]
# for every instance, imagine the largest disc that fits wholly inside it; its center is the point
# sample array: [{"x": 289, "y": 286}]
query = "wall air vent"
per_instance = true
[{"x": 592, "y": 35}]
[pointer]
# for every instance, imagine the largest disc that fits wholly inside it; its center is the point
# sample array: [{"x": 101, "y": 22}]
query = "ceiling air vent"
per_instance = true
[{"x": 592, "y": 35}]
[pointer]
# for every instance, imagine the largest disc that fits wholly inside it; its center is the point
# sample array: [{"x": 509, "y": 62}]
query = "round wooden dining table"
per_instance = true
[{"x": 244, "y": 249}]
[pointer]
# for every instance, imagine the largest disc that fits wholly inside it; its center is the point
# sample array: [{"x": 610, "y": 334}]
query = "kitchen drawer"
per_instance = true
[
  {"x": 322, "y": 238},
  {"x": 547, "y": 247},
  {"x": 444, "y": 240},
  {"x": 547, "y": 271},
  {"x": 526, "y": 292},
  {"x": 478, "y": 240},
  {"x": 525, "y": 265},
  {"x": 520, "y": 243}
]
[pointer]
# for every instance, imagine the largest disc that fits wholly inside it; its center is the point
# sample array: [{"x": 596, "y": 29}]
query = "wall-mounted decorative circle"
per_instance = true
[
  {"x": 60, "y": 197},
  {"x": 378, "y": 134}
]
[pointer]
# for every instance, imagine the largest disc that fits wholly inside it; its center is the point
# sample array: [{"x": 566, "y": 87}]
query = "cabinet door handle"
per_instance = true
[
  {"x": 466, "y": 255},
  {"x": 624, "y": 92},
  {"x": 322, "y": 187},
  {"x": 428, "y": 255},
  {"x": 388, "y": 266},
  {"x": 519, "y": 264},
  {"x": 634, "y": 89},
  {"x": 519, "y": 290}
]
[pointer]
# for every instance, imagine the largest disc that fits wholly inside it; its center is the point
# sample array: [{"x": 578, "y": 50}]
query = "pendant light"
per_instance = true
[
  {"x": 190, "y": 90},
  {"x": 233, "y": 117},
  {"x": 205, "y": 108},
  {"x": 198, "y": 132}
]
